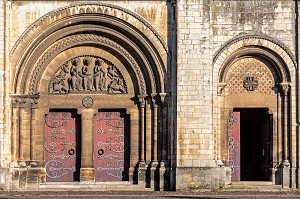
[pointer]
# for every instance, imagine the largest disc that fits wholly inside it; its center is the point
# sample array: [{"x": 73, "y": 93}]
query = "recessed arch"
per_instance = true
[
  {"x": 251, "y": 73},
  {"x": 127, "y": 29}
]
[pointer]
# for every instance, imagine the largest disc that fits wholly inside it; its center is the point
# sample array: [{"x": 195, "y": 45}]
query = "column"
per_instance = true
[
  {"x": 163, "y": 144},
  {"x": 285, "y": 88},
  {"x": 285, "y": 163},
  {"x": 87, "y": 171},
  {"x": 25, "y": 124},
  {"x": 154, "y": 161},
  {"x": 142, "y": 163},
  {"x": 220, "y": 104},
  {"x": 15, "y": 131}
]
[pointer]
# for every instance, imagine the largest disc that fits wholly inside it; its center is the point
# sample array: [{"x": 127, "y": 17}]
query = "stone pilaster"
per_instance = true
[{"x": 87, "y": 171}]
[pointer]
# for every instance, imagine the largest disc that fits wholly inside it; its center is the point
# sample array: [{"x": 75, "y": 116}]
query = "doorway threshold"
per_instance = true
[{"x": 253, "y": 186}]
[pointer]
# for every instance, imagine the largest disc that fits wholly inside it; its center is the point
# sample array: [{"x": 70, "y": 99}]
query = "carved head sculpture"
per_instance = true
[
  {"x": 87, "y": 61},
  {"x": 65, "y": 67},
  {"x": 76, "y": 62},
  {"x": 99, "y": 62}
]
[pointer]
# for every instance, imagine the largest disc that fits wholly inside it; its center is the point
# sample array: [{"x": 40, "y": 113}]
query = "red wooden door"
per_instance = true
[
  {"x": 61, "y": 147},
  {"x": 234, "y": 145},
  {"x": 111, "y": 147}
]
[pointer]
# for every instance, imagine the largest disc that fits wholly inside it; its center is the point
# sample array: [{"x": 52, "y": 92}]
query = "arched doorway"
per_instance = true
[
  {"x": 254, "y": 100},
  {"x": 90, "y": 59}
]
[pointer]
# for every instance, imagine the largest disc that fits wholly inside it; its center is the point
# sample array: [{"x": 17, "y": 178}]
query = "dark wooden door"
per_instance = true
[
  {"x": 234, "y": 145},
  {"x": 111, "y": 147},
  {"x": 62, "y": 131}
]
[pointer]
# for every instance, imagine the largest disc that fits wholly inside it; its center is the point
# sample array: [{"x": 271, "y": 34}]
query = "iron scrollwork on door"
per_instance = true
[
  {"x": 111, "y": 145},
  {"x": 234, "y": 145},
  {"x": 60, "y": 146}
]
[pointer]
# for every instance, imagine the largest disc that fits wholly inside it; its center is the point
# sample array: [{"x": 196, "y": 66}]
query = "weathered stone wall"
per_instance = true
[
  {"x": 204, "y": 26},
  {"x": 24, "y": 13},
  {"x": 195, "y": 137},
  {"x": 231, "y": 18}
]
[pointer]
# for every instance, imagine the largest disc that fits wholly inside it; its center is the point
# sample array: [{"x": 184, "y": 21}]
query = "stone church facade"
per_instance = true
[{"x": 161, "y": 95}]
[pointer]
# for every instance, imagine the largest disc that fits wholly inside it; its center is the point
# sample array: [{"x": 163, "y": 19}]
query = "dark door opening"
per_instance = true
[{"x": 256, "y": 128}]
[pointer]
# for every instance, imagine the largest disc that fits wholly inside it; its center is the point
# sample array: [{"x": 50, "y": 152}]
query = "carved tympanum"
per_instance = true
[
  {"x": 250, "y": 74},
  {"x": 87, "y": 74}
]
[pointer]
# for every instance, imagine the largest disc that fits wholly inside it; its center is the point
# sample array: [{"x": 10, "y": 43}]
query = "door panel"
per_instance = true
[
  {"x": 234, "y": 145},
  {"x": 61, "y": 135},
  {"x": 111, "y": 147}
]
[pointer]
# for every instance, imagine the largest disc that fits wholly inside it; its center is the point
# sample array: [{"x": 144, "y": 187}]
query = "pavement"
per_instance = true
[{"x": 150, "y": 195}]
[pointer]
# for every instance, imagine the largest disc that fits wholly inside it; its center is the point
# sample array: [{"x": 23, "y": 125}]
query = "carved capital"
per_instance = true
[
  {"x": 163, "y": 97},
  {"x": 142, "y": 100},
  {"x": 155, "y": 100},
  {"x": 284, "y": 88},
  {"x": 221, "y": 87},
  {"x": 25, "y": 101}
]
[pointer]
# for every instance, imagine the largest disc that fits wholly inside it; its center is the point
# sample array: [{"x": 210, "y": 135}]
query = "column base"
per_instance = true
[
  {"x": 164, "y": 177},
  {"x": 285, "y": 176},
  {"x": 87, "y": 175},
  {"x": 142, "y": 171},
  {"x": 154, "y": 175}
]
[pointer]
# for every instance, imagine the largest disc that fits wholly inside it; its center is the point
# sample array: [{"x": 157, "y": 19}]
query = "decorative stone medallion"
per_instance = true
[
  {"x": 87, "y": 102},
  {"x": 250, "y": 83}
]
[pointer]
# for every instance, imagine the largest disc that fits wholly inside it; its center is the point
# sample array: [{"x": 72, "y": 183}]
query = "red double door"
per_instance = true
[{"x": 62, "y": 146}]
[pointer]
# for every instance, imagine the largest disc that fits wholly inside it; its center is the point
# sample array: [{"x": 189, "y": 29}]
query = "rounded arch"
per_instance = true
[
  {"x": 109, "y": 27},
  {"x": 272, "y": 51}
]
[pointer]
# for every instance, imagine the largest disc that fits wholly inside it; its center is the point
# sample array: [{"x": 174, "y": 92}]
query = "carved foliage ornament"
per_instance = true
[
  {"x": 250, "y": 83},
  {"x": 87, "y": 74}
]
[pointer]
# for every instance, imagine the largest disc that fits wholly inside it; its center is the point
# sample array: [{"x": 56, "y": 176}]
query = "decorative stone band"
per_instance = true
[{"x": 29, "y": 101}]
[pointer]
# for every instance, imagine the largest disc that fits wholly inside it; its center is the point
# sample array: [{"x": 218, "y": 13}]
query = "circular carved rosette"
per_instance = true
[{"x": 87, "y": 102}]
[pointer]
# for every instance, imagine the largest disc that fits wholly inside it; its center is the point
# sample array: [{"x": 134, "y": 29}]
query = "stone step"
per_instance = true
[
  {"x": 253, "y": 186},
  {"x": 111, "y": 186}
]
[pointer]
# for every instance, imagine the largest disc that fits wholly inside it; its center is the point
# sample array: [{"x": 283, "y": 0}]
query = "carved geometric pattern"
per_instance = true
[
  {"x": 250, "y": 74},
  {"x": 87, "y": 74}
]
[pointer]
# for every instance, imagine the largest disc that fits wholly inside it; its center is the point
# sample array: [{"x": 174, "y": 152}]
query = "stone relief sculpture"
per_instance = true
[{"x": 87, "y": 74}]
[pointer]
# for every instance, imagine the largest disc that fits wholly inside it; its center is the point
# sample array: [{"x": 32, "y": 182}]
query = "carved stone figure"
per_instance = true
[
  {"x": 59, "y": 82},
  {"x": 116, "y": 85},
  {"x": 75, "y": 79},
  {"x": 99, "y": 75},
  {"x": 87, "y": 72},
  {"x": 112, "y": 73}
]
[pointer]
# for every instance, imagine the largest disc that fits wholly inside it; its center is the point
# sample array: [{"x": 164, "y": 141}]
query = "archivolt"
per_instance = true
[
  {"x": 59, "y": 30},
  {"x": 265, "y": 47}
]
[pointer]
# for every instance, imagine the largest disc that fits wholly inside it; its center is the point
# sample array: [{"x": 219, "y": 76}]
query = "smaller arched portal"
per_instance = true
[
  {"x": 88, "y": 97},
  {"x": 255, "y": 81}
]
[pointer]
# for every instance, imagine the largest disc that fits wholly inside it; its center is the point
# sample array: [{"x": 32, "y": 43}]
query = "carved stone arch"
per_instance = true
[
  {"x": 263, "y": 46},
  {"x": 138, "y": 38},
  {"x": 85, "y": 40},
  {"x": 255, "y": 73},
  {"x": 275, "y": 64}
]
